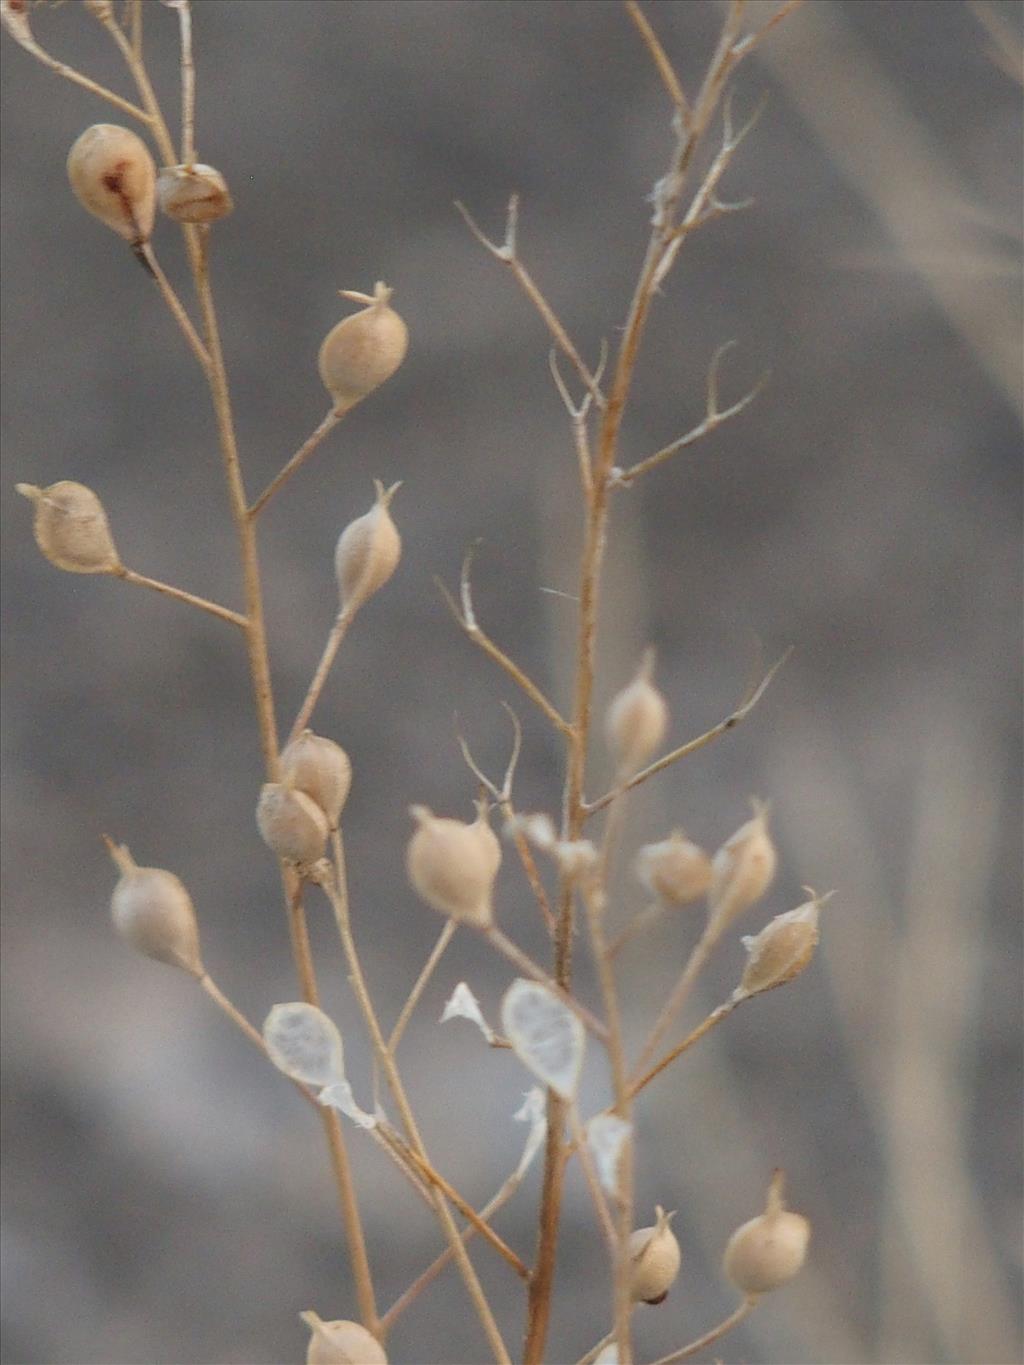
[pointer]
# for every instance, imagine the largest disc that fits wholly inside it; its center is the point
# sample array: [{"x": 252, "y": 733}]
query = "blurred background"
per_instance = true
[{"x": 166, "y": 1196}]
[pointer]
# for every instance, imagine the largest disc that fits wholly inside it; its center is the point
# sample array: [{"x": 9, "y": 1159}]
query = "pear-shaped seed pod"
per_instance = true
[
  {"x": 193, "y": 194},
  {"x": 368, "y": 551},
  {"x": 675, "y": 870},
  {"x": 341, "y": 1343},
  {"x": 741, "y": 870},
  {"x": 152, "y": 911},
  {"x": 113, "y": 175},
  {"x": 655, "y": 1259},
  {"x": 319, "y": 768},
  {"x": 769, "y": 1250},
  {"x": 637, "y": 719},
  {"x": 71, "y": 527},
  {"x": 363, "y": 350},
  {"x": 782, "y": 949},
  {"x": 452, "y": 866},
  {"x": 292, "y": 824}
]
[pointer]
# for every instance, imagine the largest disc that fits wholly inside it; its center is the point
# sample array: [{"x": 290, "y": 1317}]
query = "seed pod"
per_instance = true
[
  {"x": 452, "y": 866},
  {"x": 741, "y": 870},
  {"x": 368, "y": 551},
  {"x": 341, "y": 1343},
  {"x": 193, "y": 194},
  {"x": 292, "y": 824},
  {"x": 637, "y": 719},
  {"x": 113, "y": 175},
  {"x": 675, "y": 870},
  {"x": 769, "y": 1250},
  {"x": 71, "y": 527},
  {"x": 782, "y": 949},
  {"x": 655, "y": 1256},
  {"x": 364, "y": 349},
  {"x": 153, "y": 912},
  {"x": 319, "y": 768}
]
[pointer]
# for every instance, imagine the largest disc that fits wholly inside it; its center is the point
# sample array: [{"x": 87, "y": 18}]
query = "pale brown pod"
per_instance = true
[
  {"x": 741, "y": 870},
  {"x": 637, "y": 719},
  {"x": 452, "y": 866},
  {"x": 782, "y": 949},
  {"x": 113, "y": 176},
  {"x": 675, "y": 870},
  {"x": 71, "y": 527},
  {"x": 767, "y": 1251},
  {"x": 319, "y": 768},
  {"x": 341, "y": 1343},
  {"x": 655, "y": 1259},
  {"x": 364, "y": 349},
  {"x": 292, "y": 824},
  {"x": 153, "y": 911},
  {"x": 368, "y": 551},
  {"x": 193, "y": 194}
]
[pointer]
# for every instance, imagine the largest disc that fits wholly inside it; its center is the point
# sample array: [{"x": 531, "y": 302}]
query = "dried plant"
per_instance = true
[{"x": 122, "y": 176}]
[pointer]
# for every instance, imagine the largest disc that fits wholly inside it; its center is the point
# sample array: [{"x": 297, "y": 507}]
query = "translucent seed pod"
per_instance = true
[
  {"x": 364, "y": 349},
  {"x": 769, "y": 1250},
  {"x": 675, "y": 870},
  {"x": 655, "y": 1260},
  {"x": 452, "y": 866},
  {"x": 305, "y": 1044},
  {"x": 113, "y": 176},
  {"x": 71, "y": 527},
  {"x": 193, "y": 194},
  {"x": 341, "y": 1343},
  {"x": 321, "y": 770},
  {"x": 782, "y": 949},
  {"x": 545, "y": 1035},
  {"x": 368, "y": 551},
  {"x": 637, "y": 719},
  {"x": 153, "y": 911},
  {"x": 741, "y": 870},
  {"x": 292, "y": 824}
]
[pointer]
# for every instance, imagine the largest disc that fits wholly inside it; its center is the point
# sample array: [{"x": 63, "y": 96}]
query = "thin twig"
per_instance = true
[
  {"x": 180, "y": 595},
  {"x": 535, "y": 972},
  {"x": 708, "y": 1338},
  {"x": 691, "y": 747},
  {"x": 596, "y": 1350},
  {"x": 593, "y": 1183},
  {"x": 338, "y": 632},
  {"x": 662, "y": 64},
  {"x": 705, "y": 1026},
  {"x": 136, "y": 28},
  {"x": 640, "y": 922},
  {"x": 296, "y": 462},
  {"x": 17, "y": 26},
  {"x": 420, "y": 986},
  {"x": 148, "y": 256},
  {"x": 188, "y": 84},
  {"x": 746, "y": 45}
]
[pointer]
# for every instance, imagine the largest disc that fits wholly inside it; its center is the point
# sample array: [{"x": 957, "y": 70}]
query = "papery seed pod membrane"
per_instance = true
[
  {"x": 741, "y": 870},
  {"x": 655, "y": 1259},
  {"x": 675, "y": 870},
  {"x": 637, "y": 719},
  {"x": 71, "y": 527},
  {"x": 782, "y": 949},
  {"x": 769, "y": 1250},
  {"x": 545, "y": 1034},
  {"x": 363, "y": 350},
  {"x": 305, "y": 1044},
  {"x": 368, "y": 551},
  {"x": 321, "y": 770},
  {"x": 577, "y": 859},
  {"x": 153, "y": 912},
  {"x": 341, "y": 1343},
  {"x": 452, "y": 866},
  {"x": 113, "y": 176},
  {"x": 292, "y": 824},
  {"x": 193, "y": 194}
]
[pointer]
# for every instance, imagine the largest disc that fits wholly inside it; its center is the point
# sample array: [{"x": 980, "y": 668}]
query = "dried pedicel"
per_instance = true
[
  {"x": 319, "y": 768},
  {"x": 341, "y": 1343},
  {"x": 637, "y": 719},
  {"x": 769, "y": 1250},
  {"x": 368, "y": 551},
  {"x": 453, "y": 865},
  {"x": 292, "y": 824},
  {"x": 193, "y": 194},
  {"x": 153, "y": 911},
  {"x": 71, "y": 527},
  {"x": 655, "y": 1260},
  {"x": 113, "y": 176},
  {"x": 675, "y": 870},
  {"x": 364, "y": 349}
]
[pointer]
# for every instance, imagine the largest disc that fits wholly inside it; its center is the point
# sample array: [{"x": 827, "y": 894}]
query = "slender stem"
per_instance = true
[
  {"x": 79, "y": 78},
  {"x": 530, "y": 867},
  {"x": 436, "y": 954},
  {"x": 705, "y": 1026},
  {"x": 660, "y": 58},
  {"x": 188, "y": 84},
  {"x": 336, "y": 890},
  {"x": 646, "y": 919},
  {"x": 296, "y": 462},
  {"x": 180, "y": 595},
  {"x": 708, "y": 1338},
  {"x": 596, "y": 1350},
  {"x": 535, "y": 972},
  {"x": 594, "y": 1184},
  {"x": 338, "y": 632},
  {"x": 695, "y": 964},
  {"x": 136, "y": 27},
  {"x": 174, "y": 304}
]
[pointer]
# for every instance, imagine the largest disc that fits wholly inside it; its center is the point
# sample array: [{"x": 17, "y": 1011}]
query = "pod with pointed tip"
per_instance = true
[
  {"x": 368, "y": 551},
  {"x": 364, "y": 349},
  {"x": 675, "y": 870},
  {"x": 153, "y": 911},
  {"x": 321, "y": 769},
  {"x": 452, "y": 866},
  {"x": 637, "y": 719},
  {"x": 113, "y": 176},
  {"x": 292, "y": 824},
  {"x": 341, "y": 1343},
  {"x": 193, "y": 194},
  {"x": 741, "y": 870},
  {"x": 655, "y": 1259},
  {"x": 770, "y": 1249},
  {"x": 71, "y": 528}
]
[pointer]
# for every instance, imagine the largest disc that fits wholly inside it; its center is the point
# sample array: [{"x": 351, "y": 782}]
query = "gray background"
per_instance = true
[{"x": 166, "y": 1197}]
